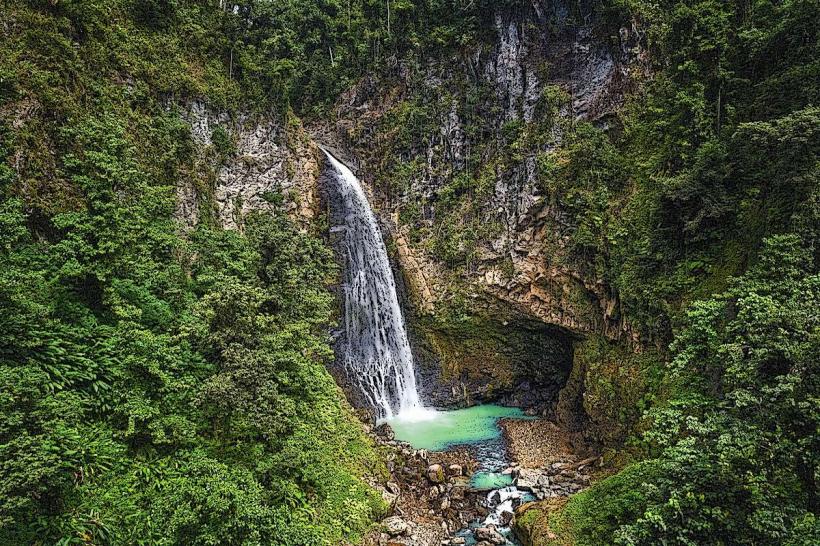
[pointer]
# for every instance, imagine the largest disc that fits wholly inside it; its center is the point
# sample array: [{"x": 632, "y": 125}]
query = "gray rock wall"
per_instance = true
[
  {"x": 533, "y": 47},
  {"x": 270, "y": 158}
]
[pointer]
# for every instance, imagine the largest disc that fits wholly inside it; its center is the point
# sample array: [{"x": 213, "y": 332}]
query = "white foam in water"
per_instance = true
[
  {"x": 418, "y": 414},
  {"x": 378, "y": 353}
]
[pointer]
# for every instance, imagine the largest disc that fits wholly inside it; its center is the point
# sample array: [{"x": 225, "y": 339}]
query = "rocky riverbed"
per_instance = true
[
  {"x": 428, "y": 492},
  {"x": 432, "y": 500}
]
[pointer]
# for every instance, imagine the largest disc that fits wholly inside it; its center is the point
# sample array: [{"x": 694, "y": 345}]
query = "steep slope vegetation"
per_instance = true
[
  {"x": 644, "y": 175},
  {"x": 157, "y": 385}
]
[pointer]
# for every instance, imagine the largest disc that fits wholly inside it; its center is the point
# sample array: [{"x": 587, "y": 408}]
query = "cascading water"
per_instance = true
[{"x": 377, "y": 353}]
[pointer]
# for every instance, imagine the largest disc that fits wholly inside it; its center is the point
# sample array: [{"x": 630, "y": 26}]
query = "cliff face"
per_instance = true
[
  {"x": 451, "y": 148},
  {"x": 520, "y": 258},
  {"x": 248, "y": 162}
]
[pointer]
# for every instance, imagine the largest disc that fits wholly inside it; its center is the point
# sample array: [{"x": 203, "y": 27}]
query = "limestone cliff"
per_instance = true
[
  {"x": 248, "y": 162},
  {"x": 497, "y": 321}
]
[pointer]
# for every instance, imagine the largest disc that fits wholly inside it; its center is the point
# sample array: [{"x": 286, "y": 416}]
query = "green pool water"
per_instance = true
[
  {"x": 490, "y": 480},
  {"x": 451, "y": 428}
]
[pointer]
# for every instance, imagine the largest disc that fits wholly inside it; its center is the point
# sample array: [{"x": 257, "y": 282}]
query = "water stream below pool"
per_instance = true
[{"x": 477, "y": 428}]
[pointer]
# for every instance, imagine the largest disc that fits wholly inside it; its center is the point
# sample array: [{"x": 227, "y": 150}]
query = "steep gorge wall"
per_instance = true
[
  {"x": 451, "y": 148},
  {"x": 519, "y": 260},
  {"x": 502, "y": 321}
]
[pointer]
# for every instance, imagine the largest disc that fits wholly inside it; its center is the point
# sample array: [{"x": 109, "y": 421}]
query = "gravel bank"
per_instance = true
[{"x": 534, "y": 443}]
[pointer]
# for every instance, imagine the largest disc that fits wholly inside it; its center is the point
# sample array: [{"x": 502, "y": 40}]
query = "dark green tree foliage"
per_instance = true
[
  {"x": 721, "y": 152},
  {"x": 736, "y": 449},
  {"x": 304, "y": 53},
  {"x": 144, "y": 401},
  {"x": 155, "y": 387},
  {"x": 716, "y": 161}
]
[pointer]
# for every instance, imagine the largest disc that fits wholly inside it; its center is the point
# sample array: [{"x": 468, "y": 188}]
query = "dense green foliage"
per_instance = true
[
  {"x": 704, "y": 187},
  {"x": 156, "y": 386},
  {"x": 163, "y": 386},
  {"x": 723, "y": 147},
  {"x": 304, "y": 53},
  {"x": 719, "y": 159},
  {"x": 735, "y": 451}
]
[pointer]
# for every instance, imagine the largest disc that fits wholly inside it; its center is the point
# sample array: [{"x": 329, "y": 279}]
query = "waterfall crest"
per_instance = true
[{"x": 377, "y": 353}]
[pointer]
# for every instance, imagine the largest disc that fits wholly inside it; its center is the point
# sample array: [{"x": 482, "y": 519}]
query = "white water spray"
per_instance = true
[{"x": 378, "y": 353}]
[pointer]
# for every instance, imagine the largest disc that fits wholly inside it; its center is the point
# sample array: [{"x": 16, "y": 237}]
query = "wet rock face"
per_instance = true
[
  {"x": 518, "y": 362},
  {"x": 519, "y": 263},
  {"x": 268, "y": 167}
]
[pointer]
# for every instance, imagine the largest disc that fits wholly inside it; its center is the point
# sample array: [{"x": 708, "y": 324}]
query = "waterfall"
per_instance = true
[{"x": 377, "y": 353}]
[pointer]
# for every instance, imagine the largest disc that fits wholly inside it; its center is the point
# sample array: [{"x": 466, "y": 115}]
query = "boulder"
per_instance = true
[
  {"x": 489, "y": 534},
  {"x": 454, "y": 470},
  {"x": 388, "y": 497},
  {"x": 527, "y": 479},
  {"x": 435, "y": 473},
  {"x": 394, "y": 526},
  {"x": 385, "y": 431},
  {"x": 495, "y": 498}
]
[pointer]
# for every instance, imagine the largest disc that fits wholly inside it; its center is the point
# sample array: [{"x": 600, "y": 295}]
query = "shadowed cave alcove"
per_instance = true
[{"x": 478, "y": 358}]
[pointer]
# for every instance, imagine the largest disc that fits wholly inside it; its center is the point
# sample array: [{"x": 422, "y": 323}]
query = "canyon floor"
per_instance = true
[{"x": 430, "y": 493}]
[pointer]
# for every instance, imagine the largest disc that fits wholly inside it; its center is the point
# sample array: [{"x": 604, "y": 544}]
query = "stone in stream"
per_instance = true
[
  {"x": 528, "y": 479},
  {"x": 490, "y": 535},
  {"x": 454, "y": 470},
  {"x": 495, "y": 497},
  {"x": 511, "y": 471}
]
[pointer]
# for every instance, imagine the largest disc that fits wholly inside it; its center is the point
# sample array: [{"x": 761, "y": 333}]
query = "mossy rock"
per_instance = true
[
  {"x": 493, "y": 358},
  {"x": 536, "y": 523}
]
